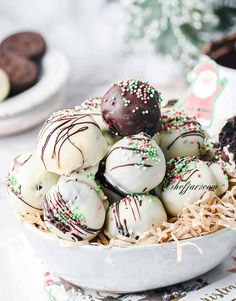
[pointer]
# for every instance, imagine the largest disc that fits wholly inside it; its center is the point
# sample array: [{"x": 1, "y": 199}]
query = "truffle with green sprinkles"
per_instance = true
[
  {"x": 73, "y": 211},
  {"x": 180, "y": 135},
  {"x": 12, "y": 182},
  {"x": 87, "y": 176},
  {"x": 178, "y": 168},
  {"x": 187, "y": 179},
  {"x": 131, "y": 106},
  {"x": 27, "y": 183},
  {"x": 135, "y": 164}
]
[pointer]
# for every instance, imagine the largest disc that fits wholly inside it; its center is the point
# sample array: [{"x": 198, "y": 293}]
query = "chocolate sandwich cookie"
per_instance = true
[
  {"x": 30, "y": 45},
  {"x": 22, "y": 73}
]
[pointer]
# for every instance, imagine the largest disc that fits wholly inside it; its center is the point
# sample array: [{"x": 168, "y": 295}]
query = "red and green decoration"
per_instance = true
[{"x": 206, "y": 86}]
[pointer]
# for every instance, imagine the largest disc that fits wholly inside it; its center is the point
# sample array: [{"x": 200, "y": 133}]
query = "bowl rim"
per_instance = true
[{"x": 63, "y": 243}]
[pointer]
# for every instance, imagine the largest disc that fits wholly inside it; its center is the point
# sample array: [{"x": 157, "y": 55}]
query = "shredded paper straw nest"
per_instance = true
[{"x": 206, "y": 216}]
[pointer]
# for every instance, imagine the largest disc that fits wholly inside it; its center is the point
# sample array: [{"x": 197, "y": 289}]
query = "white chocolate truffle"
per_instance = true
[
  {"x": 220, "y": 177},
  {"x": 73, "y": 211},
  {"x": 92, "y": 106},
  {"x": 4, "y": 85},
  {"x": 135, "y": 164},
  {"x": 28, "y": 182},
  {"x": 134, "y": 215},
  {"x": 69, "y": 141},
  {"x": 87, "y": 176},
  {"x": 187, "y": 180},
  {"x": 180, "y": 135}
]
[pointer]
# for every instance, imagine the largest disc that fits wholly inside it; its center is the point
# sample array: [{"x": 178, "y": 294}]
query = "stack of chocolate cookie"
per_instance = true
[{"x": 20, "y": 62}]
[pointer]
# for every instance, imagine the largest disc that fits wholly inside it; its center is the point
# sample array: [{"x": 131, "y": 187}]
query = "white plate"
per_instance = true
[
  {"x": 131, "y": 269},
  {"x": 31, "y": 107}
]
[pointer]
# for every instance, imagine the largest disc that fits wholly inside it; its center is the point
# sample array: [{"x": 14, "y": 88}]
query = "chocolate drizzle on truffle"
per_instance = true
[
  {"x": 141, "y": 147},
  {"x": 58, "y": 214},
  {"x": 180, "y": 122},
  {"x": 131, "y": 164},
  {"x": 63, "y": 124},
  {"x": 188, "y": 134},
  {"x": 180, "y": 168},
  {"x": 13, "y": 184},
  {"x": 135, "y": 164},
  {"x": 20, "y": 198},
  {"x": 132, "y": 203}
]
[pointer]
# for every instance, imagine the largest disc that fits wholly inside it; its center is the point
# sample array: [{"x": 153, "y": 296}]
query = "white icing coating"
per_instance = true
[
  {"x": 28, "y": 182},
  {"x": 135, "y": 164},
  {"x": 187, "y": 180},
  {"x": 73, "y": 211},
  {"x": 87, "y": 176},
  {"x": 92, "y": 106},
  {"x": 134, "y": 215},
  {"x": 180, "y": 135},
  {"x": 4, "y": 85},
  {"x": 220, "y": 177},
  {"x": 69, "y": 141}
]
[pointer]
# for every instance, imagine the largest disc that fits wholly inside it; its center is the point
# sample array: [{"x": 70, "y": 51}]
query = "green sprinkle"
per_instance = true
[
  {"x": 77, "y": 216},
  {"x": 13, "y": 183},
  {"x": 98, "y": 188},
  {"x": 90, "y": 176}
]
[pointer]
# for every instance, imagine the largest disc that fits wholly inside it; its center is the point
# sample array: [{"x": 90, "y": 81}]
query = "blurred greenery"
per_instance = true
[{"x": 179, "y": 27}]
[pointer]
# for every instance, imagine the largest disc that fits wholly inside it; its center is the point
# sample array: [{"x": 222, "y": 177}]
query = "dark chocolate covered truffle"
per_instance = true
[
  {"x": 227, "y": 136},
  {"x": 131, "y": 106}
]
